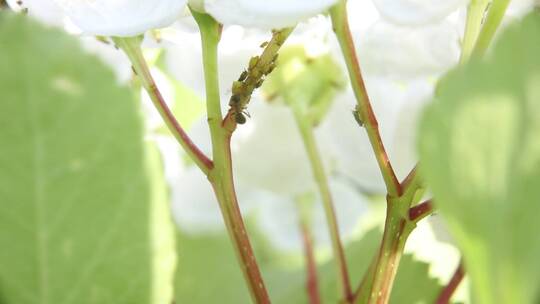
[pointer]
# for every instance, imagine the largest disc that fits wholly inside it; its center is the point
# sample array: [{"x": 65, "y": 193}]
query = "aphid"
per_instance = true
[
  {"x": 234, "y": 101},
  {"x": 259, "y": 83},
  {"x": 357, "y": 117},
  {"x": 270, "y": 68},
  {"x": 243, "y": 76},
  {"x": 237, "y": 87},
  {"x": 264, "y": 44},
  {"x": 253, "y": 62},
  {"x": 239, "y": 116}
]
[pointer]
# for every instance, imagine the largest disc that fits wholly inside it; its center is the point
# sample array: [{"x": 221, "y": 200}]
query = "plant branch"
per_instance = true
[
  {"x": 448, "y": 290},
  {"x": 312, "y": 285},
  {"x": 491, "y": 24},
  {"x": 306, "y": 130},
  {"x": 397, "y": 229},
  {"x": 361, "y": 294},
  {"x": 475, "y": 16},
  {"x": 131, "y": 47},
  {"x": 420, "y": 211},
  {"x": 364, "y": 111},
  {"x": 252, "y": 78},
  {"x": 221, "y": 175}
]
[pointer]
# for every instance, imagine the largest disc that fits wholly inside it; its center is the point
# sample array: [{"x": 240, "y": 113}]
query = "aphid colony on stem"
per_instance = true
[
  {"x": 249, "y": 80},
  {"x": 259, "y": 67}
]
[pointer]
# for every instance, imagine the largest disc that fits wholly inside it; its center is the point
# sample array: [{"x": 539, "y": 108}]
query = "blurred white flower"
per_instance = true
[
  {"x": 183, "y": 56},
  {"x": 352, "y": 155},
  {"x": 518, "y": 8},
  {"x": 194, "y": 205},
  {"x": 279, "y": 218},
  {"x": 121, "y": 18},
  {"x": 272, "y": 156},
  {"x": 388, "y": 50},
  {"x": 417, "y": 12},
  {"x": 265, "y": 14}
]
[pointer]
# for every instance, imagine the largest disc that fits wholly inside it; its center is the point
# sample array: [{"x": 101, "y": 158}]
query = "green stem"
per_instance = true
[
  {"x": 364, "y": 110},
  {"x": 131, "y": 47},
  {"x": 308, "y": 137},
  {"x": 473, "y": 25},
  {"x": 493, "y": 20},
  {"x": 221, "y": 175},
  {"x": 396, "y": 231}
]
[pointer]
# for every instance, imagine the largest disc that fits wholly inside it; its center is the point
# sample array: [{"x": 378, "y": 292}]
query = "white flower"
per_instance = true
[
  {"x": 406, "y": 52},
  {"x": 183, "y": 57},
  {"x": 352, "y": 154},
  {"x": 121, "y": 18},
  {"x": 417, "y": 12},
  {"x": 279, "y": 218},
  {"x": 270, "y": 155},
  {"x": 265, "y": 14}
]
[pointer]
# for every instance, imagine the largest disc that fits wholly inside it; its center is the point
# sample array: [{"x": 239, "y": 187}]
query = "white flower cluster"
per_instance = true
[
  {"x": 134, "y": 17},
  {"x": 404, "y": 46}
]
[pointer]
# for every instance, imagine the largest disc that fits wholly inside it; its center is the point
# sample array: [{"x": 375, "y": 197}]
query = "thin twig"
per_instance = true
[
  {"x": 312, "y": 285},
  {"x": 221, "y": 175},
  {"x": 448, "y": 291},
  {"x": 306, "y": 130},
  {"x": 132, "y": 48},
  {"x": 364, "y": 111},
  {"x": 420, "y": 211}
]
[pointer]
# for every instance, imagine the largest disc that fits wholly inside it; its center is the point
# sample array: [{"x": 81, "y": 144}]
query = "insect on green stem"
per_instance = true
[
  {"x": 364, "y": 111},
  {"x": 218, "y": 171},
  {"x": 377, "y": 283},
  {"x": 221, "y": 175}
]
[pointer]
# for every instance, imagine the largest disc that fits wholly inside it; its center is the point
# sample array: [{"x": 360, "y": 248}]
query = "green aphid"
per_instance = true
[
  {"x": 253, "y": 62},
  {"x": 357, "y": 117},
  {"x": 237, "y": 87},
  {"x": 243, "y": 76}
]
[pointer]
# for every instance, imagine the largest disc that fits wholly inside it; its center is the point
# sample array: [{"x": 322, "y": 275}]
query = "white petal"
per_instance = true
[
  {"x": 279, "y": 218},
  {"x": 352, "y": 152},
  {"x": 121, "y": 17},
  {"x": 404, "y": 52},
  {"x": 417, "y": 12},
  {"x": 237, "y": 46},
  {"x": 194, "y": 206},
  {"x": 272, "y": 155},
  {"x": 265, "y": 14}
]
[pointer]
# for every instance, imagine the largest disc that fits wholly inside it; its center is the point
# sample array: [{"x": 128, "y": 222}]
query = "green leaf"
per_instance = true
[
  {"x": 412, "y": 285},
  {"x": 480, "y": 154},
  {"x": 208, "y": 272},
  {"x": 75, "y": 225}
]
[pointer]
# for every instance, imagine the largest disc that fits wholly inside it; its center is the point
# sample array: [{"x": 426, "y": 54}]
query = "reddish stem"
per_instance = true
[
  {"x": 178, "y": 131},
  {"x": 410, "y": 178},
  {"x": 448, "y": 291},
  {"x": 420, "y": 211},
  {"x": 312, "y": 286},
  {"x": 364, "y": 109}
]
